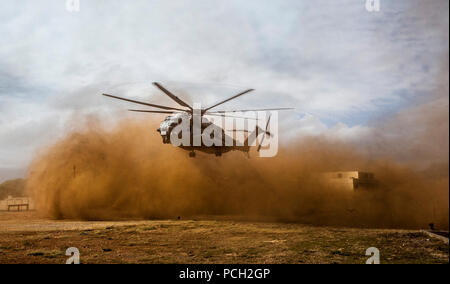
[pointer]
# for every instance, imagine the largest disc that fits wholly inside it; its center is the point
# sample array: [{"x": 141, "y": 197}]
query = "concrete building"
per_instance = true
[
  {"x": 17, "y": 204},
  {"x": 350, "y": 180}
]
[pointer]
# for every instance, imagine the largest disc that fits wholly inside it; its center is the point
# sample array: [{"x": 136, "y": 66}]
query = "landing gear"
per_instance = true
[
  {"x": 192, "y": 154},
  {"x": 218, "y": 154},
  {"x": 165, "y": 139}
]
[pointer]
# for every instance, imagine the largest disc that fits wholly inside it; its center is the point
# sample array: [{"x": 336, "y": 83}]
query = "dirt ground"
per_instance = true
[{"x": 26, "y": 238}]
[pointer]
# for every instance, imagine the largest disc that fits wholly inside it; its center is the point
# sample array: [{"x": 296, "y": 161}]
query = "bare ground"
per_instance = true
[{"x": 26, "y": 238}]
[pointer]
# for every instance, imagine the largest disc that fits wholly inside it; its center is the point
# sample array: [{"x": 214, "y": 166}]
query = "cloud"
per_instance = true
[{"x": 333, "y": 60}]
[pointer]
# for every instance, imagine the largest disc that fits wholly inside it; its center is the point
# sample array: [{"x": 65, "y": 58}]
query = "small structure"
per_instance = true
[
  {"x": 351, "y": 180},
  {"x": 18, "y": 203}
]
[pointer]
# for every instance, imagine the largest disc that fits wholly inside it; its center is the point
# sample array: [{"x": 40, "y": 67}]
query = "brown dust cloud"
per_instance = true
[{"x": 126, "y": 172}]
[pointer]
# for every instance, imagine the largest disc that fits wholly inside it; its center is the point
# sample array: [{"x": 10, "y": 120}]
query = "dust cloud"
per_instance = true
[{"x": 126, "y": 172}]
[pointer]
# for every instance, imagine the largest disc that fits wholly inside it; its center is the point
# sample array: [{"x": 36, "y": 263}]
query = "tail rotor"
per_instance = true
[{"x": 266, "y": 132}]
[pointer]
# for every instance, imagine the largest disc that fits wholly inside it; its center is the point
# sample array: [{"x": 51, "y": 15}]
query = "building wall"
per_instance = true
[
  {"x": 16, "y": 200},
  {"x": 349, "y": 180}
]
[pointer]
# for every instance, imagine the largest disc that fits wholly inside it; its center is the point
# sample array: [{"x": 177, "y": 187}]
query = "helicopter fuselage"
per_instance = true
[{"x": 170, "y": 122}]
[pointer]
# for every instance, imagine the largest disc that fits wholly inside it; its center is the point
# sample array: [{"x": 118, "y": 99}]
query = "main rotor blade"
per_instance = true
[
  {"x": 142, "y": 103},
  {"x": 172, "y": 96},
  {"x": 240, "y": 130},
  {"x": 224, "y": 115},
  {"x": 232, "y": 98},
  {"x": 244, "y": 110},
  {"x": 172, "y": 112},
  {"x": 153, "y": 111}
]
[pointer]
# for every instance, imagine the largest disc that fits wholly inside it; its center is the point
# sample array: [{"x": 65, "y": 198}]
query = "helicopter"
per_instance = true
[{"x": 188, "y": 115}]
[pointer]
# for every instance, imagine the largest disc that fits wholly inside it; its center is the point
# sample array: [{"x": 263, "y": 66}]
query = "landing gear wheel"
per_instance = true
[{"x": 192, "y": 154}]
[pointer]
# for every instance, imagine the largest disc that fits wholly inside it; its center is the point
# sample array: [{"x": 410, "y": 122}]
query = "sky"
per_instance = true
[{"x": 340, "y": 66}]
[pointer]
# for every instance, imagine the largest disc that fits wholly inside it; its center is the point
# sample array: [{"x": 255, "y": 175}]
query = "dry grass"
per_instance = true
[{"x": 24, "y": 238}]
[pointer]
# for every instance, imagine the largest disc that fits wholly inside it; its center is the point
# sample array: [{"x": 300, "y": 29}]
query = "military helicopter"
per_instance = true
[{"x": 187, "y": 112}]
